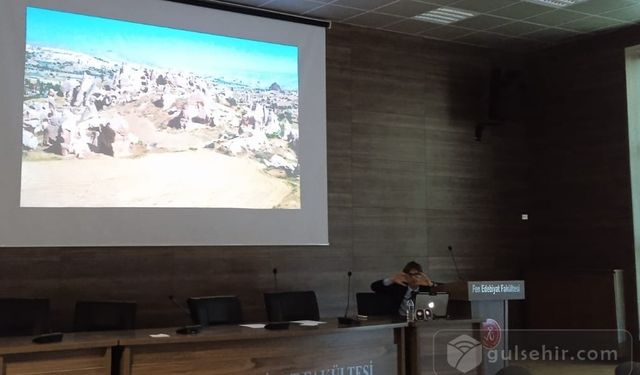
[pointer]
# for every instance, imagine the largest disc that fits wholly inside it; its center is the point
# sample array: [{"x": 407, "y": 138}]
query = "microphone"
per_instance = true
[
  {"x": 455, "y": 265},
  {"x": 181, "y": 307},
  {"x": 188, "y": 329},
  {"x": 275, "y": 278},
  {"x": 48, "y": 338},
  {"x": 346, "y": 311},
  {"x": 345, "y": 320}
]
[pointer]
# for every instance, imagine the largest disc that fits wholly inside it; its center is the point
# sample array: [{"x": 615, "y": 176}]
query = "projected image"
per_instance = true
[{"x": 120, "y": 114}]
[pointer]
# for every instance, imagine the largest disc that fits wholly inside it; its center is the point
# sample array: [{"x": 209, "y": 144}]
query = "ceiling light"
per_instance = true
[
  {"x": 556, "y": 3},
  {"x": 444, "y": 16}
]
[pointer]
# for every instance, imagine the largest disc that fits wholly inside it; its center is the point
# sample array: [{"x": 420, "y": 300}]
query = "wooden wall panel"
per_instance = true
[
  {"x": 405, "y": 177},
  {"x": 377, "y": 230},
  {"x": 581, "y": 202}
]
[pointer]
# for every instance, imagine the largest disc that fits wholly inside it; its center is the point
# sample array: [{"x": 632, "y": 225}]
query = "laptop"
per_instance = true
[{"x": 436, "y": 302}]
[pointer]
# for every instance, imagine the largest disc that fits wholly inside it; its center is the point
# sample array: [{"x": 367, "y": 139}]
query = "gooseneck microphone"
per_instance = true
[
  {"x": 346, "y": 311},
  {"x": 346, "y": 320},
  {"x": 180, "y": 306},
  {"x": 188, "y": 329},
  {"x": 455, "y": 264},
  {"x": 275, "y": 278}
]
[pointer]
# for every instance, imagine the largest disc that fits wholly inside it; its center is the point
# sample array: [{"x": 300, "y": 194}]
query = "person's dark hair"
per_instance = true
[{"x": 412, "y": 266}]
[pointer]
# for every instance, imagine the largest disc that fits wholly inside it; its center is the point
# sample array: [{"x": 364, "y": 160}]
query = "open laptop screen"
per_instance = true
[{"x": 437, "y": 303}]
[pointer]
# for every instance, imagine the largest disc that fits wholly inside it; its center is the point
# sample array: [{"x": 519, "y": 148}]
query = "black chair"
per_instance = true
[
  {"x": 216, "y": 310},
  {"x": 513, "y": 370},
  {"x": 628, "y": 368},
  {"x": 288, "y": 306},
  {"x": 104, "y": 316},
  {"x": 24, "y": 316},
  {"x": 375, "y": 304}
]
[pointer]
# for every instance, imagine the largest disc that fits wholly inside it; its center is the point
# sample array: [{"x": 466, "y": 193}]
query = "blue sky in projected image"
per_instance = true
[{"x": 204, "y": 54}]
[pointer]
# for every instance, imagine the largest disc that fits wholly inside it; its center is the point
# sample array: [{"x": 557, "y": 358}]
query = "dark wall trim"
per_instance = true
[{"x": 252, "y": 11}]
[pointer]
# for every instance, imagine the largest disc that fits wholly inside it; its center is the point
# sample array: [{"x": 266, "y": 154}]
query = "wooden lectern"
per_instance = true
[{"x": 487, "y": 301}]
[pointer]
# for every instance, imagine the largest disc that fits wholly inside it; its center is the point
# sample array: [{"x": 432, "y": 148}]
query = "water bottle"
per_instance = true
[{"x": 411, "y": 311}]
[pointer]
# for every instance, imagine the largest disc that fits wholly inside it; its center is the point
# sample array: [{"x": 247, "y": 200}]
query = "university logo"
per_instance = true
[{"x": 491, "y": 334}]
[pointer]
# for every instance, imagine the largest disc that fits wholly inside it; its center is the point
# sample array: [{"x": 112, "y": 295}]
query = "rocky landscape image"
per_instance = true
[{"x": 113, "y": 122}]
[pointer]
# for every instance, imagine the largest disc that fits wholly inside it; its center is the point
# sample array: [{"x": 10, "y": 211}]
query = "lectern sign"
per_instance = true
[{"x": 495, "y": 290}]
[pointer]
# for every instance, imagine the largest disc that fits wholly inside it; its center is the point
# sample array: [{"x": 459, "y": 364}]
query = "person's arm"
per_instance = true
[
  {"x": 384, "y": 285},
  {"x": 425, "y": 283},
  {"x": 379, "y": 286}
]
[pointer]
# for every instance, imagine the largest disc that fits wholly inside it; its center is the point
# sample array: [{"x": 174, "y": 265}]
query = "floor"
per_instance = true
[{"x": 568, "y": 368}]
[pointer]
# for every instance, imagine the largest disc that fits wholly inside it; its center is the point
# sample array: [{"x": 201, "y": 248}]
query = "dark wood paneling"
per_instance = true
[
  {"x": 405, "y": 176},
  {"x": 581, "y": 203},
  {"x": 379, "y": 230}
]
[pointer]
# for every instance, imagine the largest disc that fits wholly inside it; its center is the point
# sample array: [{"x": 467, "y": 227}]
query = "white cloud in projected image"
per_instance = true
[{"x": 120, "y": 114}]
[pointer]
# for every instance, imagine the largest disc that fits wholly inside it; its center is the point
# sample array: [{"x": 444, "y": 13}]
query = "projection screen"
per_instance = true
[{"x": 155, "y": 123}]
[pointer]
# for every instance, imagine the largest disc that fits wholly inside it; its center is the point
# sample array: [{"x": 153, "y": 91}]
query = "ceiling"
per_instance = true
[{"x": 499, "y": 24}]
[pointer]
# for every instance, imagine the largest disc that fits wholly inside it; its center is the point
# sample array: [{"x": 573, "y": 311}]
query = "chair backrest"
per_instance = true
[
  {"x": 215, "y": 310},
  {"x": 372, "y": 304},
  {"x": 288, "y": 306},
  {"x": 24, "y": 316},
  {"x": 513, "y": 370},
  {"x": 104, "y": 316}
]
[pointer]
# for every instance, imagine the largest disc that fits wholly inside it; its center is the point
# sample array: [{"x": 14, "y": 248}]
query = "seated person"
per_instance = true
[{"x": 404, "y": 286}]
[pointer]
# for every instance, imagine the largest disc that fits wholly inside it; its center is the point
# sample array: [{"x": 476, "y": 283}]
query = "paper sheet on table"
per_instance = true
[
  {"x": 258, "y": 325},
  {"x": 159, "y": 335},
  {"x": 308, "y": 323}
]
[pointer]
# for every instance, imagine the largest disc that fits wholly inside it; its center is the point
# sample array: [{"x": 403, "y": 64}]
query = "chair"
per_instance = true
[
  {"x": 104, "y": 316},
  {"x": 24, "y": 316},
  {"x": 290, "y": 306},
  {"x": 209, "y": 311},
  {"x": 513, "y": 370},
  {"x": 628, "y": 368},
  {"x": 372, "y": 304}
]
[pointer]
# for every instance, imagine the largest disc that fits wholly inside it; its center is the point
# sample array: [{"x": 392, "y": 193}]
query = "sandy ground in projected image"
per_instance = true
[{"x": 185, "y": 179}]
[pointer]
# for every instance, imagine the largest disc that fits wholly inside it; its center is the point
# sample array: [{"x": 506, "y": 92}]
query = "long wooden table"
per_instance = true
[
  {"x": 78, "y": 353},
  {"x": 375, "y": 347},
  {"x": 372, "y": 348}
]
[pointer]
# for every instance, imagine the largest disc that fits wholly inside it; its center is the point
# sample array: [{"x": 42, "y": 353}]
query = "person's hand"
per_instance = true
[
  {"x": 400, "y": 279},
  {"x": 422, "y": 279}
]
